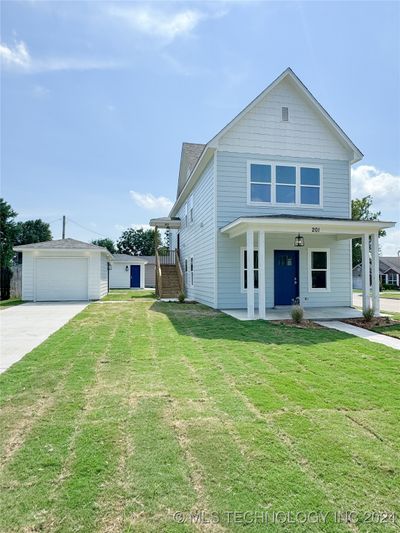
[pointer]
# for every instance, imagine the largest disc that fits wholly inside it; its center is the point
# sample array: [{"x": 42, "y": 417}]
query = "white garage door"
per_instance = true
[{"x": 61, "y": 279}]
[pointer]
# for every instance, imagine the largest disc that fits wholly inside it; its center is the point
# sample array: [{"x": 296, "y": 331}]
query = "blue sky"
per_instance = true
[{"x": 97, "y": 97}]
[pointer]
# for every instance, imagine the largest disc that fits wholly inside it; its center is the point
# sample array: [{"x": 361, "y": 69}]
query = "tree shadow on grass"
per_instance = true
[{"x": 197, "y": 320}]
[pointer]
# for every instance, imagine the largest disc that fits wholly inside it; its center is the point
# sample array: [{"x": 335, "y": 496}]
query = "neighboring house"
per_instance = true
[
  {"x": 129, "y": 271},
  {"x": 64, "y": 269},
  {"x": 263, "y": 210},
  {"x": 389, "y": 272}
]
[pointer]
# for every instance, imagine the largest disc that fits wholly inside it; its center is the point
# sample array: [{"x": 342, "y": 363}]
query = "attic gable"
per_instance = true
[
  {"x": 190, "y": 154},
  {"x": 308, "y": 132}
]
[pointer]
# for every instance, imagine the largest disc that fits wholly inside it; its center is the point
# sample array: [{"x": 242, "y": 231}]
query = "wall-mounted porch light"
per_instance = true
[
  {"x": 126, "y": 268},
  {"x": 299, "y": 240}
]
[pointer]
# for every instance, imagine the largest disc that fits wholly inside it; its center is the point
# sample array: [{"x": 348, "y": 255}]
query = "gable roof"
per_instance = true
[
  {"x": 190, "y": 154},
  {"x": 184, "y": 180},
  {"x": 60, "y": 244},
  {"x": 288, "y": 73},
  {"x": 390, "y": 263}
]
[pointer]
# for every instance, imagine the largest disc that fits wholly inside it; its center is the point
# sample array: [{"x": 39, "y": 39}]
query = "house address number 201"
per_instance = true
[{"x": 315, "y": 229}]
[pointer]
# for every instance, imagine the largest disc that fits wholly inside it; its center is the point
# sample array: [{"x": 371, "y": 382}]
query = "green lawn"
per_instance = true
[
  {"x": 392, "y": 331},
  {"x": 131, "y": 413},
  {"x": 392, "y": 295},
  {"x": 116, "y": 295},
  {"x": 9, "y": 303}
]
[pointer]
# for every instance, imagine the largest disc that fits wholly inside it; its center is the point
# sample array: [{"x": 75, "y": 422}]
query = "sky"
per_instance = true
[{"x": 97, "y": 97}]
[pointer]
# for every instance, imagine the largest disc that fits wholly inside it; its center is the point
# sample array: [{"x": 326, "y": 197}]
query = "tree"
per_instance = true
[
  {"x": 106, "y": 243},
  {"x": 7, "y": 235},
  {"x": 137, "y": 242},
  {"x": 32, "y": 231},
  {"x": 361, "y": 210}
]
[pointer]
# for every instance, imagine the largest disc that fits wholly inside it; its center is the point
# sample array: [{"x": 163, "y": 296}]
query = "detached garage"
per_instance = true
[{"x": 64, "y": 269}]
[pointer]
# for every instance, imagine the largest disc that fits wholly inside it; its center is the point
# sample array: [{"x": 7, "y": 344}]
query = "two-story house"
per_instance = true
[{"x": 262, "y": 216}]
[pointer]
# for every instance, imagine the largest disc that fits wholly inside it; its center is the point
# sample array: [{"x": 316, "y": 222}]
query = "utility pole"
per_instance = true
[{"x": 63, "y": 227}]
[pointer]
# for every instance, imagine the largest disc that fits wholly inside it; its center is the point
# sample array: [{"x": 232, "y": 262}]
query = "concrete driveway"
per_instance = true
[
  {"x": 25, "y": 326},
  {"x": 391, "y": 306}
]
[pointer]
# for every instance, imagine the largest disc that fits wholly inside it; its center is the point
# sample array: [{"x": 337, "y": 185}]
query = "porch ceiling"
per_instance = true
[
  {"x": 342, "y": 228},
  {"x": 166, "y": 222}
]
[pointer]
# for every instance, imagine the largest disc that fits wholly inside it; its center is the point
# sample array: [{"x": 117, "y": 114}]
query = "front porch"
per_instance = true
[
  {"x": 311, "y": 313},
  {"x": 288, "y": 259}
]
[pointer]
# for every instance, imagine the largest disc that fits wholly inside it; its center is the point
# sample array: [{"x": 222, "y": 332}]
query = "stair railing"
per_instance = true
[
  {"x": 158, "y": 276},
  {"x": 179, "y": 271}
]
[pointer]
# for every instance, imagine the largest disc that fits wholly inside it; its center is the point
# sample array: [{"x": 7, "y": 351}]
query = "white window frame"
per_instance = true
[
  {"x": 327, "y": 270},
  {"x": 185, "y": 214},
  {"x": 191, "y": 271},
  {"x": 393, "y": 277},
  {"x": 242, "y": 250},
  {"x": 185, "y": 265},
  {"x": 298, "y": 185},
  {"x": 191, "y": 218}
]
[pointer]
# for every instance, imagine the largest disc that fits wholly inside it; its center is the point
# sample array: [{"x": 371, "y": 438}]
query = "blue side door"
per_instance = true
[
  {"x": 286, "y": 276},
  {"x": 135, "y": 276}
]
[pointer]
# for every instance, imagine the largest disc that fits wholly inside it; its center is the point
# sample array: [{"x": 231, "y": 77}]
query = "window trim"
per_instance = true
[
  {"x": 191, "y": 271},
  {"x": 190, "y": 209},
  {"x": 298, "y": 185},
  {"x": 391, "y": 276},
  {"x": 186, "y": 270},
  {"x": 327, "y": 270},
  {"x": 242, "y": 250}
]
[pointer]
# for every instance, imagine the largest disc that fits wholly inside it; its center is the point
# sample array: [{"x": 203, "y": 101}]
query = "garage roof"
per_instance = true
[{"x": 60, "y": 244}]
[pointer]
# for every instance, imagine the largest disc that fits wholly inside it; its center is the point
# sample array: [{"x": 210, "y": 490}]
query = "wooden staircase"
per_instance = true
[{"x": 169, "y": 276}]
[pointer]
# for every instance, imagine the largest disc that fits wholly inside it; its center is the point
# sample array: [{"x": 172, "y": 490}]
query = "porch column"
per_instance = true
[
  {"x": 365, "y": 272},
  {"x": 250, "y": 273},
  {"x": 261, "y": 274},
  {"x": 375, "y": 274}
]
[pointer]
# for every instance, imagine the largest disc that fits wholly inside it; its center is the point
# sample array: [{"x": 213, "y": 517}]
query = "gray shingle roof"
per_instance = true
[
  {"x": 61, "y": 244},
  {"x": 387, "y": 263},
  {"x": 190, "y": 154},
  {"x": 126, "y": 257}
]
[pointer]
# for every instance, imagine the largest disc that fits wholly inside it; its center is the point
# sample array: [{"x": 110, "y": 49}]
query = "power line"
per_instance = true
[{"x": 87, "y": 229}]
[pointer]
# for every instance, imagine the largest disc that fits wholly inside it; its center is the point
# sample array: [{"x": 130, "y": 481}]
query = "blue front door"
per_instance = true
[
  {"x": 135, "y": 276},
  {"x": 286, "y": 276}
]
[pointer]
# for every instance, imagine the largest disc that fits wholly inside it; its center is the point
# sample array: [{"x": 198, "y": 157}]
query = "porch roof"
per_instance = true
[
  {"x": 166, "y": 222},
  {"x": 305, "y": 224}
]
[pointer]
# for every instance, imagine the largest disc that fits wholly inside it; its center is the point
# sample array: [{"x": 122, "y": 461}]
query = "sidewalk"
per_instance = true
[{"x": 362, "y": 333}]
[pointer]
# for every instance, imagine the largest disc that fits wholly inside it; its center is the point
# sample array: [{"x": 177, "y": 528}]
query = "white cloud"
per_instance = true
[
  {"x": 157, "y": 23},
  {"x": 40, "y": 91},
  {"x": 18, "y": 58},
  {"x": 382, "y": 186},
  {"x": 390, "y": 244},
  {"x": 151, "y": 202},
  {"x": 384, "y": 189}
]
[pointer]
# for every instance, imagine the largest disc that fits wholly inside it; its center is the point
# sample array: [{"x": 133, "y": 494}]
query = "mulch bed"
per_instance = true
[
  {"x": 304, "y": 324},
  {"x": 374, "y": 323}
]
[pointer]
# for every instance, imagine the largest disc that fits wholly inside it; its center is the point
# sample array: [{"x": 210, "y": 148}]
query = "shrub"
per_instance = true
[
  {"x": 297, "y": 314},
  {"x": 368, "y": 314},
  {"x": 181, "y": 298}
]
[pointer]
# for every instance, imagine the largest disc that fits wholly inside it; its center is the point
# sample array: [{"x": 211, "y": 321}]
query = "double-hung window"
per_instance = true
[
  {"x": 260, "y": 183},
  {"x": 310, "y": 185},
  {"x": 191, "y": 271},
  {"x": 392, "y": 278},
  {"x": 319, "y": 277},
  {"x": 186, "y": 273},
  {"x": 285, "y": 179},
  {"x": 245, "y": 269},
  {"x": 191, "y": 209}
]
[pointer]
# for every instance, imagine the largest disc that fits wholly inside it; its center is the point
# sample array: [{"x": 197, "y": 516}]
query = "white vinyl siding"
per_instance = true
[{"x": 263, "y": 131}]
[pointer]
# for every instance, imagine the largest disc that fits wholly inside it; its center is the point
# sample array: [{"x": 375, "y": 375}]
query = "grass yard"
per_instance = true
[
  {"x": 392, "y": 331},
  {"x": 4, "y": 304},
  {"x": 116, "y": 295},
  {"x": 392, "y": 295},
  {"x": 134, "y": 412}
]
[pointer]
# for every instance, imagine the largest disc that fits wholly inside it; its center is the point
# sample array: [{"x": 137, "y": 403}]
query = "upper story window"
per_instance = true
[
  {"x": 191, "y": 209},
  {"x": 285, "y": 114},
  {"x": 185, "y": 215},
  {"x": 285, "y": 184},
  {"x": 260, "y": 183}
]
